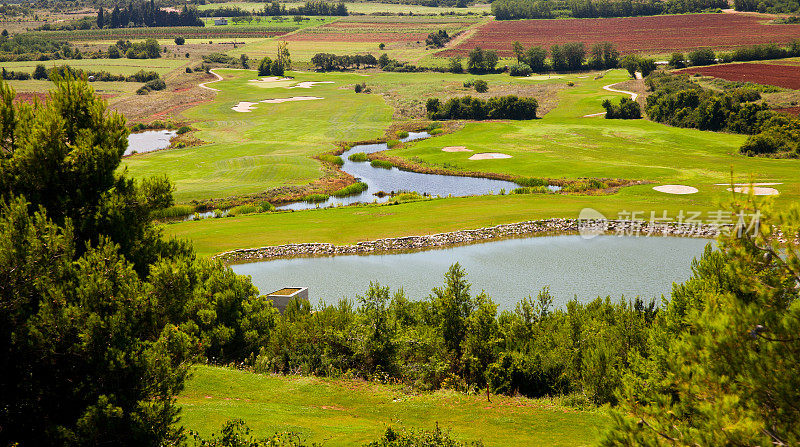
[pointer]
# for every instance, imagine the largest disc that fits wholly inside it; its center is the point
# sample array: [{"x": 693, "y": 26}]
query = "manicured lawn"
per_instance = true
[
  {"x": 347, "y": 413},
  {"x": 562, "y": 144},
  {"x": 270, "y": 146},
  {"x": 347, "y": 225}
]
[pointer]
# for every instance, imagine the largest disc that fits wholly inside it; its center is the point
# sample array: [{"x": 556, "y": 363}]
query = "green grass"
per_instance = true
[
  {"x": 347, "y": 413},
  {"x": 120, "y": 66},
  {"x": 562, "y": 144},
  {"x": 272, "y": 145}
]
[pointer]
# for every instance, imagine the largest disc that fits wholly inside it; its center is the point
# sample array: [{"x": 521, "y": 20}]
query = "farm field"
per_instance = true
[
  {"x": 194, "y": 32},
  {"x": 280, "y": 24},
  {"x": 120, "y": 66},
  {"x": 780, "y": 75},
  {"x": 382, "y": 29},
  {"x": 346, "y": 413},
  {"x": 649, "y": 35},
  {"x": 366, "y": 8}
]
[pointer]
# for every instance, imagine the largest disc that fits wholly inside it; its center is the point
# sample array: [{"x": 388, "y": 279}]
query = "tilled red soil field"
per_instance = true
[
  {"x": 786, "y": 76},
  {"x": 653, "y": 34}
]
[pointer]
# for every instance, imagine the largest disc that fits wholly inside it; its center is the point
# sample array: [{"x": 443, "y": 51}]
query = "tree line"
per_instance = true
[
  {"x": 678, "y": 101},
  {"x": 567, "y": 57},
  {"x": 146, "y": 14},
  {"x": 469, "y": 108},
  {"x": 548, "y": 9}
]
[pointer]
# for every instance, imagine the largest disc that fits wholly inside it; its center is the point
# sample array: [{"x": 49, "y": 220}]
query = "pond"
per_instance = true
[
  {"x": 508, "y": 270},
  {"x": 395, "y": 180},
  {"x": 148, "y": 141}
]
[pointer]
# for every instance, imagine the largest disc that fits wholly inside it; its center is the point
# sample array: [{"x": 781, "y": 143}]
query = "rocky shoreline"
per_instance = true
[{"x": 537, "y": 227}]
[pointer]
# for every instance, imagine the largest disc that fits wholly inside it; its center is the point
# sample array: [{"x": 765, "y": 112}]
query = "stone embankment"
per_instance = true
[{"x": 587, "y": 229}]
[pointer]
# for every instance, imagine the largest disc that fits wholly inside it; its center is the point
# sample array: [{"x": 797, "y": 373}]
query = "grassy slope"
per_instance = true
[
  {"x": 345, "y": 413},
  {"x": 270, "y": 146},
  {"x": 120, "y": 66},
  {"x": 562, "y": 144}
]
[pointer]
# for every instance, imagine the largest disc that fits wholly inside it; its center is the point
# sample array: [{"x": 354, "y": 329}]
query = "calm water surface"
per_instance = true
[
  {"x": 508, "y": 270},
  {"x": 151, "y": 140},
  {"x": 395, "y": 180}
]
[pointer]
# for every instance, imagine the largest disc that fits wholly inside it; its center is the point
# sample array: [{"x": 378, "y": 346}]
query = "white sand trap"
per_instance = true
[
  {"x": 748, "y": 184},
  {"x": 293, "y": 98},
  {"x": 594, "y": 114},
  {"x": 676, "y": 189},
  {"x": 541, "y": 77},
  {"x": 456, "y": 149},
  {"x": 270, "y": 79},
  {"x": 309, "y": 84},
  {"x": 489, "y": 156},
  {"x": 759, "y": 191},
  {"x": 244, "y": 106}
]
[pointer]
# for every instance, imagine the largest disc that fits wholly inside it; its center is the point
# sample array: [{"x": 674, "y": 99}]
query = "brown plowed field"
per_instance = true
[
  {"x": 786, "y": 76},
  {"x": 652, "y": 34}
]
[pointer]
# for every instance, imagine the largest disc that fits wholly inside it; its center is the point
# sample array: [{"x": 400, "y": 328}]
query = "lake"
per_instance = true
[{"x": 507, "y": 269}]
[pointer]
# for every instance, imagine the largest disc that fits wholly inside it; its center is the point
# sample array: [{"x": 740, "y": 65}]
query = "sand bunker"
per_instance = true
[
  {"x": 244, "y": 106},
  {"x": 456, "y": 149},
  {"x": 270, "y": 79},
  {"x": 309, "y": 84},
  {"x": 489, "y": 156},
  {"x": 293, "y": 98},
  {"x": 748, "y": 184},
  {"x": 676, "y": 189},
  {"x": 759, "y": 191}
]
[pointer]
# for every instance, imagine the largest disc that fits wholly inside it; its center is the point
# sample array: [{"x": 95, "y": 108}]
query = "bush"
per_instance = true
[
  {"x": 350, "y": 190},
  {"x": 703, "y": 56},
  {"x": 358, "y": 157},
  {"x": 467, "y": 107},
  {"x": 330, "y": 158},
  {"x": 481, "y": 86},
  {"x": 184, "y": 129},
  {"x": 402, "y": 134},
  {"x": 381, "y": 164},
  {"x": 627, "y": 109},
  {"x": 156, "y": 84},
  {"x": 180, "y": 40},
  {"x": 316, "y": 198},
  {"x": 520, "y": 70}
]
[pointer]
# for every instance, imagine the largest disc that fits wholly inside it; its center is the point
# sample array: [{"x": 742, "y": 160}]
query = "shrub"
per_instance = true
[
  {"x": 467, "y": 107},
  {"x": 350, "y": 190},
  {"x": 392, "y": 143},
  {"x": 702, "y": 56},
  {"x": 156, "y": 84},
  {"x": 519, "y": 70},
  {"x": 180, "y": 40},
  {"x": 381, "y": 164},
  {"x": 481, "y": 86},
  {"x": 627, "y": 109},
  {"x": 358, "y": 157},
  {"x": 172, "y": 212},
  {"x": 316, "y": 198},
  {"x": 530, "y": 190},
  {"x": 184, "y": 129},
  {"x": 330, "y": 158},
  {"x": 402, "y": 134}
]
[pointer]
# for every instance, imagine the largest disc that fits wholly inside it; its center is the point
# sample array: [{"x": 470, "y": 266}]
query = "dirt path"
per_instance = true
[
  {"x": 608, "y": 88},
  {"x": 203, "y": 85}
]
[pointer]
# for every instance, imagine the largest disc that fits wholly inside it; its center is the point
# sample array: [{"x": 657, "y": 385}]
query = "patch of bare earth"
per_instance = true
[{"x": 181, "y": 94}]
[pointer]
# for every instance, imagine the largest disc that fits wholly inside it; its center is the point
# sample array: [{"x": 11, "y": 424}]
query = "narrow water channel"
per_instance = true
[{"x": 395, "y": 180}]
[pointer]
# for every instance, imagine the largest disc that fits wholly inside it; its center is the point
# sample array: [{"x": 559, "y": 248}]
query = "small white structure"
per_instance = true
[
  {"x": 220, "y": 22},
  {"x": 280, "y": 298}
]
